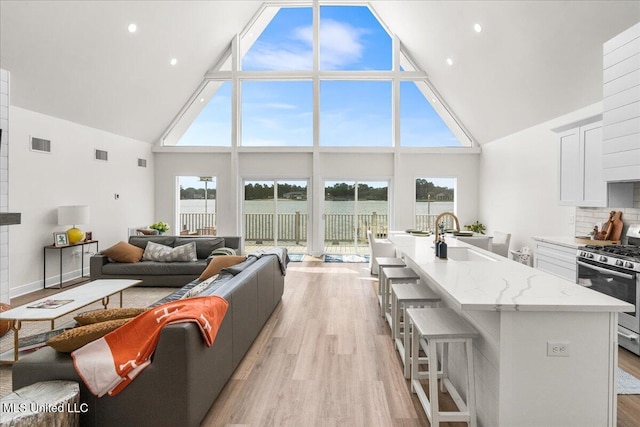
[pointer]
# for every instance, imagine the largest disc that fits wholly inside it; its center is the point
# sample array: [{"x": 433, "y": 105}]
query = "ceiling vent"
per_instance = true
[
  {"x": 142, "y": 163},
  {"x": 102, "y": 155},
  {"x": 41, "y": 145}
]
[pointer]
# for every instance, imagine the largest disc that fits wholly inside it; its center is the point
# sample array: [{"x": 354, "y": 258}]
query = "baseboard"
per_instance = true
[{"x": 54, "y": 281}]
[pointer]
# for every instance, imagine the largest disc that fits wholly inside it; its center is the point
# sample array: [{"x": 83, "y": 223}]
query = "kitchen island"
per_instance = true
[{"x": 547, "y": 352}]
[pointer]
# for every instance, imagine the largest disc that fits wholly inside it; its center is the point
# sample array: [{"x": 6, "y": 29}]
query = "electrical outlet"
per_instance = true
[{"x": 557, "y": 349}]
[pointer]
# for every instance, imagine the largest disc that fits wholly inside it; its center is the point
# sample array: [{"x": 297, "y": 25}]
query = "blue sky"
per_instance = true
[{"x": 352, "y": 113}]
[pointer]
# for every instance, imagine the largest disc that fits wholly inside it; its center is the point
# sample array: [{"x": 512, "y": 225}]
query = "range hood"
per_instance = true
[{"x": 9, "y": 218}]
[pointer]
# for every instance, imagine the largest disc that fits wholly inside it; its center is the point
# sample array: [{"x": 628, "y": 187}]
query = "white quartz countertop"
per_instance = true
[{"x": 492, "y": 282}]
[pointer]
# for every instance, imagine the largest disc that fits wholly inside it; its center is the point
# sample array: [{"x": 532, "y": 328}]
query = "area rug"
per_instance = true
[
  {"x": 627, "y": 383},
  {"x": 296, "y": 257},
  {"x": 346, "y": 258},
  {"x": 132, "y": 297}
]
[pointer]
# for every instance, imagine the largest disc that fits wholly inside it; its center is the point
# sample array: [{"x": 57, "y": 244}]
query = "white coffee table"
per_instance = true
[{"x": 82, "y": 296}]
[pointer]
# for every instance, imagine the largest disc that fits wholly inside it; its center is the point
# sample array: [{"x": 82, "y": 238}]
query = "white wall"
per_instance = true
[
  {"x": 518, "y": 178},
  {"x": 69, "y": 175},
  {"x": 4, "y": 184},
  {"x": 400, "y": 169}
]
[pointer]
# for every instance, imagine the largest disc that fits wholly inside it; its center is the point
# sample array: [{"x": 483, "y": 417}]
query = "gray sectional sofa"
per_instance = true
[
  {"x": 185, "y": 376},
  {"x": 162, "y": 273}
]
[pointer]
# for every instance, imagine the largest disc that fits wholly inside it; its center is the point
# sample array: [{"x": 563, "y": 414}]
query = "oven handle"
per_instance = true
[
  {"x": 605, "y": 271},
  {"x": 629, "y": 337}
]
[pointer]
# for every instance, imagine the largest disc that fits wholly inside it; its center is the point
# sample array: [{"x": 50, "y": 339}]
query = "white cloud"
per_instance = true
[
  {"x": 280, "y": 106},
  {"x": 340, "y": 45}
]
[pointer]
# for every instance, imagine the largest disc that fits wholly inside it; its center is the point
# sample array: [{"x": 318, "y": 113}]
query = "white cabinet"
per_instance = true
[
  {"x": 621, "y": 106},
  {"x": 581, "y": 169},
  {"x": 555, "y": 259}
]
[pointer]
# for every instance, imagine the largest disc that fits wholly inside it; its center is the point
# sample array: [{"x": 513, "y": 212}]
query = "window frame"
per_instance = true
[{"x": 229, "y": 67}]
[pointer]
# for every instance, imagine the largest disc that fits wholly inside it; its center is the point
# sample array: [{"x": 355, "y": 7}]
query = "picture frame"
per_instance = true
[
  {"x": 60, "y": 239},
  {"x": 88, "y": 236}
]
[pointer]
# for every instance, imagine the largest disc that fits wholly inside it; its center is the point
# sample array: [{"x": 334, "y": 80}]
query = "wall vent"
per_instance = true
[
  {"x": 142, "y": 163},
  {"x": 102, "y": 155},
  {"x": 41, "y": 145}
]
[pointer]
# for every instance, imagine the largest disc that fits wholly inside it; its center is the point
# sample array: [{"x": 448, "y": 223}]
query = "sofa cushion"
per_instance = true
[
  {"x": 220, "y": 262},
  {"x": 154, "y": 268},
  {"x": 124, "y": 252},
  {"x": 204, "y": 245},
  {"x": 141, "y": 241},
  {"x": 162, "y": 253},
  {"x": 102, "y": 315},
  {"x": 73, "y": 339}
]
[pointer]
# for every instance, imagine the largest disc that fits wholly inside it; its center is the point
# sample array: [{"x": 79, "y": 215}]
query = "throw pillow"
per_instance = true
[
  {"x": 102, "y": 315},
  {"x": 147, "y": 231},
  {"x": 5, "y": 325},
  {"x": 73, "y": 339},
  {"x": 220, "y": 262},
  {"x": 196, "y": 290},
  {"x": 124, "y": 252},
  {"x": 223, "y": 251},
  {"x": 162, "y": 253}
]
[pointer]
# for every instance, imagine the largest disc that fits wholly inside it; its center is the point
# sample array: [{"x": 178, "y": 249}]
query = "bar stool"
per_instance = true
[
  {"x": 404, "y": 296},
  {"x": 442, "y": 326},
  {"x": 393, "y": 275},
  {"x": 382, "y": 263}
]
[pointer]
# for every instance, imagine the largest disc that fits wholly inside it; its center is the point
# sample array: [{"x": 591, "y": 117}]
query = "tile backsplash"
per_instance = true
[{"x": 586, "y": 218}]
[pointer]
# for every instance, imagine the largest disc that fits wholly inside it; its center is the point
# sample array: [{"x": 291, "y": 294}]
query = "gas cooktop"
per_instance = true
[{"x": 623, "y": 251}]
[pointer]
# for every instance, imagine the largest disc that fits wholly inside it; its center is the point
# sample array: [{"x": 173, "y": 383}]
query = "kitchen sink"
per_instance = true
[{"x": 467, "y": 254}]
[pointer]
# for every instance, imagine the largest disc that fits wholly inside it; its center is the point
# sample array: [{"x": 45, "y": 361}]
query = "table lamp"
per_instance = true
[{"x": 73, "y": 215}]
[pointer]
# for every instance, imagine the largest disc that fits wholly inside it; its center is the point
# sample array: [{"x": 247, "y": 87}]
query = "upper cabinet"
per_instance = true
[
  {"x": 621, "y": 106},
  {"x": 581, "y": 172}
]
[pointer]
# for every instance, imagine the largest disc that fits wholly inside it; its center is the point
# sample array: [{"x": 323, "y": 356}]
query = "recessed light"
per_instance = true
[
  {"x": 173, "y": 61},
  {"x": 132, "y": 28},
  {"x": 449, "y": 61},
  {"x": 434, "y": 100},
  {"x": 477, "y": 28},
  {"x": 201, "y": 99}
]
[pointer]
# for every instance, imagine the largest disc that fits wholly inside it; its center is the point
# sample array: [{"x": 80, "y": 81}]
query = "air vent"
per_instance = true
[
  {"x": 102, "y": 155},
  {"x": 142, "y": 163},
  {"x": 41, "y": 145}
]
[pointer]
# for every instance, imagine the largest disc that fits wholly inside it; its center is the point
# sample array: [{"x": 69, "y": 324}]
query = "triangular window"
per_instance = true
[
  {"x": 210, "y": 115},
  {"x": 355, "y": 102}
]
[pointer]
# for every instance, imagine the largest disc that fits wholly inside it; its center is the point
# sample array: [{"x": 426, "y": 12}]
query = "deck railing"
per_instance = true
[
  {"x": 197, "y": 221},
  {"x": 293, "y": 227}
]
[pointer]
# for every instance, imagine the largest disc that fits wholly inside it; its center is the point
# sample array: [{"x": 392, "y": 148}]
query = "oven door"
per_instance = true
[{"x": 615, "y": 282}]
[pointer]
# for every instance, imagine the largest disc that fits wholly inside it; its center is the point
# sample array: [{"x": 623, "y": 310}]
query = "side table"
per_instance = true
[{"x": 61, "y": 249}]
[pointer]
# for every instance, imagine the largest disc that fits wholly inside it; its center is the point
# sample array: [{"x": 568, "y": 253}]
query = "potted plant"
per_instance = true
[
  {"x": 476, "y": 227},
  {"x": 160, "y": 226}
]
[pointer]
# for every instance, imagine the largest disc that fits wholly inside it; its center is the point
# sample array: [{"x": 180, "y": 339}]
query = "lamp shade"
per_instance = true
[{"x": 73, "y": 215}]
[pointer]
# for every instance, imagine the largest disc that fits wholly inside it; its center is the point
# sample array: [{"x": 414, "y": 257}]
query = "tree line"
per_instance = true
[
  {"x": 425, "y": 190},
  {"x": 196, "y": 193}
]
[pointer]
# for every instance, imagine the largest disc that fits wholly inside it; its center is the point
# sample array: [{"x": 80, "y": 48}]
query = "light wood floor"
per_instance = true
[{"x": 325, "y": 358}]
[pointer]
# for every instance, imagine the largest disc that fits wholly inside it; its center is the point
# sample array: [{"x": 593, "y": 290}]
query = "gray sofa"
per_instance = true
[
  {"x": 162, "y": 273},
  {"x": 185, "y": 376}
]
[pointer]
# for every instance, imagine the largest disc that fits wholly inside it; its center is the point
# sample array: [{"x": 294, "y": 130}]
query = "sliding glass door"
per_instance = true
[
  {"x": 276, "y": 215},
  {"x": 350, "y": 209}
]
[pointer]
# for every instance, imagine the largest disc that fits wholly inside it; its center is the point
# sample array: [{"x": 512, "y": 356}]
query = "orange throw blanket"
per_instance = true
[{"x": 108, "y": 364}]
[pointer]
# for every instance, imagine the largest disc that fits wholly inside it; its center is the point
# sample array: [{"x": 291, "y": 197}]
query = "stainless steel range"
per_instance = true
[{"x": 615, "y": 270}]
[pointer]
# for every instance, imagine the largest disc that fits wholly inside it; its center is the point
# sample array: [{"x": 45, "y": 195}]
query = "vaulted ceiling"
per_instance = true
[{"x": 533, "y": 61}]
